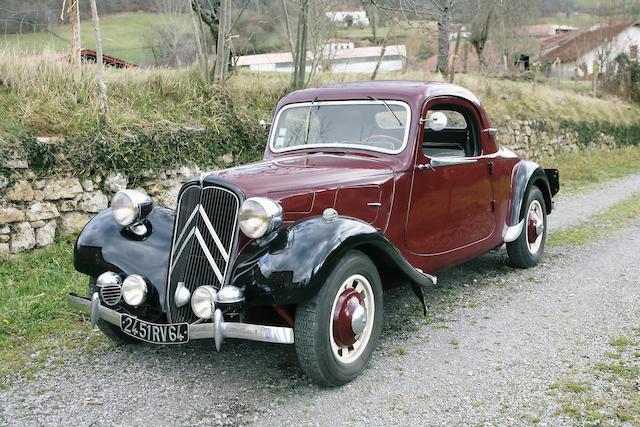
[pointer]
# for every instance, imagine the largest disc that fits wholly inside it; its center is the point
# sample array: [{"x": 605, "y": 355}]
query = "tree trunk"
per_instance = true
[
  {"x": 452, "y": 71},
  {"x": 287, "y": 24},
  {"x": 301, "y": 46},
  {"x": 373, "y": 23},
  {"x": 222, "y": 58},
  {"x": 102, "y": 86},
  {"x": 74, "y": 15},
  {"x": 201, "y": 54},
  {"x": 382, "y": 51},
  {"x": 444, "y": 30}
]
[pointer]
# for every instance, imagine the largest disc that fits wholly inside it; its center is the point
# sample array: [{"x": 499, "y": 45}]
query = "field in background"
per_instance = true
[{"x": 124, "y": 36}]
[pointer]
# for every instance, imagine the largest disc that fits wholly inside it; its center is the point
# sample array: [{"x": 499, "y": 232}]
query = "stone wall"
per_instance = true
[
  {"x": 535, "y": 140},
  {"x": 35, "y": 209}
]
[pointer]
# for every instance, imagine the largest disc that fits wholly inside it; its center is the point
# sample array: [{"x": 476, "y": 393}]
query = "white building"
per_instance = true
[
  {"x": 576, "y": 53},
  {"x": 340, "y": 13},
  {"x": 347, "y": 60}
]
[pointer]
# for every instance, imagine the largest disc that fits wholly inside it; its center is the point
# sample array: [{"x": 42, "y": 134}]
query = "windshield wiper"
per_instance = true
[
  {"x": 306, "y": 135},
  {"x": 388, "y": 108}
]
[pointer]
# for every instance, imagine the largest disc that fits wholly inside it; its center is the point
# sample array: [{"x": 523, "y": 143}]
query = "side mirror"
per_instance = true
[
  {"x": 263, "y": 123},
  {"x": 437, "y": 121}
]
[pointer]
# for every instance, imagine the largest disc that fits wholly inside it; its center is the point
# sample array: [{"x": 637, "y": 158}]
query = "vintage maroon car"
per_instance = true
[{"x": 363, "y": 186}]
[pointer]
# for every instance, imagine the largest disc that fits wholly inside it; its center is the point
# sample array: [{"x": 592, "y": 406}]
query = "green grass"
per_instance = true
[
  {"x": 123, "y": 36},
  {"x": 604, "y": 224},
  {"x": 585, "y": 168},
  {"x": 606, "y": 394},
  {"x": 34, "y": 316}
]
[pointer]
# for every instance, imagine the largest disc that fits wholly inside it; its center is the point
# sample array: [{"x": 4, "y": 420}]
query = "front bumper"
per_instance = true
[{"x": 218, "y": 329}]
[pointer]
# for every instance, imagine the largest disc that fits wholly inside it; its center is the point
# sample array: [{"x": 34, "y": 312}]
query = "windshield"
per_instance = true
[{"x": 373, "y": 125}]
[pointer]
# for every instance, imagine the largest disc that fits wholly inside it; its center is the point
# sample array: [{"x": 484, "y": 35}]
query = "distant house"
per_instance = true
[
  {"x": 344, "y": 60},
  {"x": 547, "y": 30},
  {"x": 574, "y": 54},
  {"x": 348, "y": 15}
]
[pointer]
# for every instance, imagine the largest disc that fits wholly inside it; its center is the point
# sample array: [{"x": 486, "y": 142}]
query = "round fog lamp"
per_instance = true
[
  {"x": 134, "y": 290},
  {"x": 203, "y": 302}
]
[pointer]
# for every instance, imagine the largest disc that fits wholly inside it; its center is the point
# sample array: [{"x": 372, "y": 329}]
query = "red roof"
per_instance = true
[
  {"x": 572, "y": 46},
  {"x": 91, "y": 56}
]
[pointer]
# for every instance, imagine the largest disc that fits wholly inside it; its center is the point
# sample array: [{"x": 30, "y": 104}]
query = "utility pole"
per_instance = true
[
  {"x": 102, "y": 86},
  {"x": 74, "y": 15},
  {"x": 300, "y": 60}
]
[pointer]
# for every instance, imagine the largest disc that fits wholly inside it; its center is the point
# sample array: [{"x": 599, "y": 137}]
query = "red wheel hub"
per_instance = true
[
  {"x": 348, "y": 308},
  {"x": 535, "y": 226}
]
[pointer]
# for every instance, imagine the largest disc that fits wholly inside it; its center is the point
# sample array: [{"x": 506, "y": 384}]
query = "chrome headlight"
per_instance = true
[
  {"x": 134, "y": 290},
  {"x": 203, "y": 302},
  {"x": 259, "y": 216},
  {"x": 130, "y": 206}
]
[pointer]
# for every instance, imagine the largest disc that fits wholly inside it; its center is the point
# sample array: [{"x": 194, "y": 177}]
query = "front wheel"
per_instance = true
[
  {"x": 527, "y": 249},
  {"x": 336, "y": 331}
]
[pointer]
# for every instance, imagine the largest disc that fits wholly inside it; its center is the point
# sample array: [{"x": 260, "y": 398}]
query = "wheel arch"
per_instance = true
[
  {"x": 297, "y": 260},
  {"x": 525, "y": 175}
]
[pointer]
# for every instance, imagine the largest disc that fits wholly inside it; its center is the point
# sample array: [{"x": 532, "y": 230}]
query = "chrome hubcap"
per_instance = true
[
  {"x": 350, "y": 325},
  {"x": 535, "y": 227}
]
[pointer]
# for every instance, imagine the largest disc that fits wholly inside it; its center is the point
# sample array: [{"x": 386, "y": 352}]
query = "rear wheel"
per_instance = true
[
  {"x": 527, "y": 250},
  {"x": 113, "y": 332},
  {"x": 337, "y": 330}
]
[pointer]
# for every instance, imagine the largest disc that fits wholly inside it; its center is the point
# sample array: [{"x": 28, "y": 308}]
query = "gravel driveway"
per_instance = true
[{"x": 495, "y": 342}]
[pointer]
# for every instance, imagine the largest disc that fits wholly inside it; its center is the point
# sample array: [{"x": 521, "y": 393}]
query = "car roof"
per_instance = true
[{"x": 412, "y": 92}]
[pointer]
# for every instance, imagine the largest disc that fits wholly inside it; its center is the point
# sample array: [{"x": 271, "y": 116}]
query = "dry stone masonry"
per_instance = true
[{"x": 35, "y": 209}]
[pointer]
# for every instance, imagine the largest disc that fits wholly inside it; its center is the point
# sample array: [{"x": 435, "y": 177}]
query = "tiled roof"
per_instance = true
[{"x": 573, "y": 45}]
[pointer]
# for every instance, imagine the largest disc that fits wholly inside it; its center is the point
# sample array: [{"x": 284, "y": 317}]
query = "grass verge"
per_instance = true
[
  {"x": 585, "y": 168},
  {"x": 608, "y": 393},
  {"x": 34, "y": 316},
  {"x": 610, "y": 221}
]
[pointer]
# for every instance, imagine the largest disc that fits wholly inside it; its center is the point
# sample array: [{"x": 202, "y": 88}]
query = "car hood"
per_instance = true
[
  {"x": 312, "y": 172},
  {"x": 307, "y": 184}
]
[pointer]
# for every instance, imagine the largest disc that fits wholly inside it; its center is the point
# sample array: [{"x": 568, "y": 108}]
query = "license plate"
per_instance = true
[{"x": 176, "y": 333}]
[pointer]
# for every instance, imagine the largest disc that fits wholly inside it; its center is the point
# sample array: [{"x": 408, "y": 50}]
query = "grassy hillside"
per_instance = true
[{"x": 123, "y": 36}]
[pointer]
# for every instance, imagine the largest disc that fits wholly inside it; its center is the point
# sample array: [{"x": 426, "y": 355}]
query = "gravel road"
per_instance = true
[
  {"x": 496, "y": 341},
  {"x": 579, "y": 207}
]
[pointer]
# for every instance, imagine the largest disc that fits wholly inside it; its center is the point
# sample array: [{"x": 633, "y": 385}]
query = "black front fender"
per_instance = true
[
  {"x": 104, "y": 245},
  {"x": 295, "y": 262},
  {"x": 527, "y": 173}
]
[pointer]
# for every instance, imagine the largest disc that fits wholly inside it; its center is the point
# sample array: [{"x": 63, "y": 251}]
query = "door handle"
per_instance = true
[{"x": 451, "y": 161}]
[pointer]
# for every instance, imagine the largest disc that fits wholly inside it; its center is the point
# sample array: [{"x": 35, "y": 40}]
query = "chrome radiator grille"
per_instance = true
[{"x": 203, "y": 243}]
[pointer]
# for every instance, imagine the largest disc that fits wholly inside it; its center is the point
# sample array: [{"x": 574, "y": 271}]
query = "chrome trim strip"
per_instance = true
[
  {"x": 219, "y": 330},
  {"x": 184, "y": 244},
  {"x": 511, "y": 234},
  {"x": 439, "y": 162},
  {"x": 213, "y": 233},
  {"x": 207, "y": 254},
  {"x": 184, "y": 229}
]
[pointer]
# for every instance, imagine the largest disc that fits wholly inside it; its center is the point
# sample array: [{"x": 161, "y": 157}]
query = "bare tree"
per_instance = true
[
  {"x": 444, "y": 16},
  {"x": 102, "y": 86},
  {"x": 442, "y": 11},
  {"x": 479, "y": 34}
]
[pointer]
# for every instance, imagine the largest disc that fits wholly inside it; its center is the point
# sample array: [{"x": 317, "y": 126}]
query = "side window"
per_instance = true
[{"x": 456, "y": 135}]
